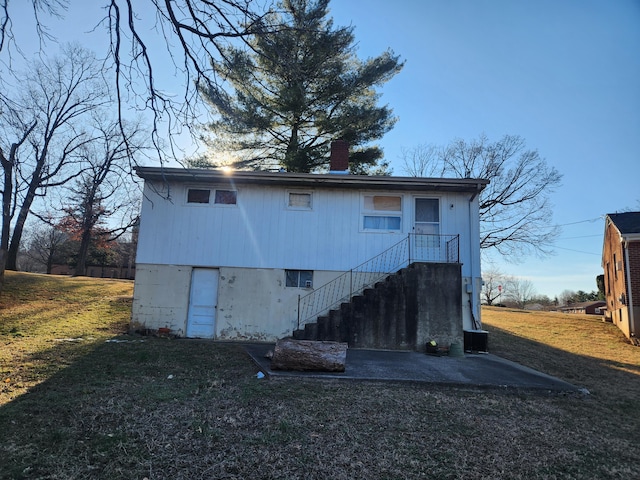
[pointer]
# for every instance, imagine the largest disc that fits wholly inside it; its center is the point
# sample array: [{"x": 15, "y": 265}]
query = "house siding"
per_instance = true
[
  {"x": 268, "y": 235},
  {"x": 254, "y": 241}
]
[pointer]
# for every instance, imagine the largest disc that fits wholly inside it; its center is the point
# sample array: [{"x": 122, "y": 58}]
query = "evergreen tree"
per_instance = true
[{"x": 297, "y": 89}]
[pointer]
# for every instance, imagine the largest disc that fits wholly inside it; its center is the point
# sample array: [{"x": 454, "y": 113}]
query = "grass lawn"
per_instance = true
[{"x": 74, "y": 405}]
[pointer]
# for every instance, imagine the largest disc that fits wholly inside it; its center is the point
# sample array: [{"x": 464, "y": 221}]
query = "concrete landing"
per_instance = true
[{"x": 470, "y": 370}]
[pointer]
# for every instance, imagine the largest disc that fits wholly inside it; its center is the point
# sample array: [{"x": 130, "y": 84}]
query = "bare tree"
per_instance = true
[
  {"x": 43, "y": 132},
  {"x": 193, "y": 35},
  {"x": 105, "y": 188},
  {"x": 45, "y": 245},
  {"x": 567, "y": 297},
  {"x": 9, "y": 162},
  {"x": 515, "y": 207},
  {"x": 519, "y": 291},
  {"x": 40, "y": 8},
  {"x": 422, "y": 161},
  {"x": 493, "y": 285}
]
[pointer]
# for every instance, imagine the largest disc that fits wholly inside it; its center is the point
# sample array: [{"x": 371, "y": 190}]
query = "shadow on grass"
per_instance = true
[
  {"x": 158, "y": 408},
  {"x": 600, "y": 376},
  {"x": 90, "y": 417}
]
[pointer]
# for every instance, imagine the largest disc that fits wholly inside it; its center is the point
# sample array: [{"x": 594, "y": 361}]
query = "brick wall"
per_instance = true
[
  {"x": 634, "y": 271},
  {"x": 339, "y": 156},
  {"x": 614, "y": 275}
]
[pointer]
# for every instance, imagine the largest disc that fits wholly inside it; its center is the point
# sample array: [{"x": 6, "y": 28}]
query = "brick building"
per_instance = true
[{"x": 621, "y": 264}]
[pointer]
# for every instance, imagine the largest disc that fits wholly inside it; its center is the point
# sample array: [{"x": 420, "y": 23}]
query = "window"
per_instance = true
[
  {"x": 197, "y": 195},
  {"x": 299, "y": 200},
  {"x": 428, "y": 216},
  {"x": 299, "y": 278},
  {"x": 382, "y": 212},
  {"x": 226, "y": 197}
]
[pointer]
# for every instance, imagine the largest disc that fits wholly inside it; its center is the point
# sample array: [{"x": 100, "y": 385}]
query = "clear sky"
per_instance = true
[{"x": 562, "y": 74}]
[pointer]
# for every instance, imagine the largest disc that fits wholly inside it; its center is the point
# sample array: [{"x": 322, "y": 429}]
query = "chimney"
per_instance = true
[{"x": 339, "y": 157}]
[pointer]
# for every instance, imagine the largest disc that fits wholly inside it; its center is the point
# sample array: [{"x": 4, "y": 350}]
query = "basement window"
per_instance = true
[
  {"x": 299, "y": 278},
  {"x": 198, "y": 195},
  {"x": 382, "y": 212}
]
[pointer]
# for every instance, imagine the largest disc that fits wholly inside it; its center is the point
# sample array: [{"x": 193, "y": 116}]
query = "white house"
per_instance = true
[{"x": 226, "y": 255}]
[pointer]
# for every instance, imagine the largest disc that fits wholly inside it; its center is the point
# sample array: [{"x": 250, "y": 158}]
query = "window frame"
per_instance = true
[
  {"x": 190, "y": 189},
  {"x": 299, "y": 280},
  {"x": 439, "y": 210},
  {"x": 365, "y": 212},
  {"x": 288, "y": 205},
  {"x": 220, "y": 204},
  {"x": 212, "y": 196}
]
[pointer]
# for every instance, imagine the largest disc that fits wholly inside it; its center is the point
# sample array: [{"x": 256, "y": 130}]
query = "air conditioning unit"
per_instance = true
[{"x": 476, "y": 341}]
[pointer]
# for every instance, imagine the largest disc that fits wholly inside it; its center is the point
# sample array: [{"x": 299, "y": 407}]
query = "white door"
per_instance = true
[
  {"x": 203, "y": 299},
  {"x": 427, "y": 243}
]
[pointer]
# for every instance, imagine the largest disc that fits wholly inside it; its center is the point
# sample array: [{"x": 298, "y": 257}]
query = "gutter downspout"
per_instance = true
[
  {"x": 627, "y": 272},
  {"x": 477, "y": 324}
]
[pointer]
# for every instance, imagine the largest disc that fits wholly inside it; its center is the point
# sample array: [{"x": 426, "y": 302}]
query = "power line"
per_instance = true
[
  {"x": 583, "y": 236},
  {"x": 577, "y": 251},
  {"x": 581, "y": 221}
]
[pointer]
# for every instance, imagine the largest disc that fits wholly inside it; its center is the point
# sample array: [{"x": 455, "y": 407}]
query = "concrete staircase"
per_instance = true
[{"x": 402, "y": 312}]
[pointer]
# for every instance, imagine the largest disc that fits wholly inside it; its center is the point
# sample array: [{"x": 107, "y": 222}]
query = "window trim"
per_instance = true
[
  {"x": 307, "y": 286},
  {"x": 287, "y": 197},
  {"x": 212, "y": 196},
  {"x": 364, "y": 212},
  {"x": 189, "y": 189}
]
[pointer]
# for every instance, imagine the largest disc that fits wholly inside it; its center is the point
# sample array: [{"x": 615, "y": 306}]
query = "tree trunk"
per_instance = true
[
  {"x": 7, "y": 168},
  {"x": 6, "y": 220},
  {"x": 25, "y": 208},
  {"x": 308, "y": 355},
  {"x": 16, "y": 237},
  {"x": 81, "y": 265}
]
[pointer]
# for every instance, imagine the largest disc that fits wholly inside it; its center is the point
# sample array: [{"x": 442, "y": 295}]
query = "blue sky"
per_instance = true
[{"x": 562, "y": 74}]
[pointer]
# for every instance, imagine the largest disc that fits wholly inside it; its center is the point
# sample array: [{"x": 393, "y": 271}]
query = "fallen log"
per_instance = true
[{"x": 309, "y": 355}]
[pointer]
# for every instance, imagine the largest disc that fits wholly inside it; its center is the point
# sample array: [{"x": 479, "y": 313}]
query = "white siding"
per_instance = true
[
  {"x": 253, "y": 242},
  {"x": 261, "y": 232}
]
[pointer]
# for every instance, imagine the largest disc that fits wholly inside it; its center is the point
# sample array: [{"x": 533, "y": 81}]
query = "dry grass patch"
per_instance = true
[
  {"x": 47, "y": 322},
  {"x": 183, "y": 409},
  {"x": 581, "y": 349}
]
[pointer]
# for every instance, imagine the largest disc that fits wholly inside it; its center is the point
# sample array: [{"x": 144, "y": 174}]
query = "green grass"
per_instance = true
[{"x": 158, "y": 408}]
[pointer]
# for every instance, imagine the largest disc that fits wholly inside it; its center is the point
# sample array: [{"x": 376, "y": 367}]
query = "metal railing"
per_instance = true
[{"x": 413, "y": 248}]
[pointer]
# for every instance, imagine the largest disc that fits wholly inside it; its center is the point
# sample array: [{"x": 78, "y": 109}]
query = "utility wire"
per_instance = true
[
  {"x": 583, "y": 236},
  {"x": 581, "y": 221}
]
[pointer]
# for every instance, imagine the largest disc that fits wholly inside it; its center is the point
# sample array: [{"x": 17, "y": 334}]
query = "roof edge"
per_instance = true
[{"x": 184, "y": 175}]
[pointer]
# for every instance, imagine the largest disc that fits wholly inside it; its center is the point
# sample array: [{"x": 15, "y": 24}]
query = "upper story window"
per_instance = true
[
  {"x": 382, "y": 212},
  {"x": 299, "y": 200},
  {"x": 204, "y": 196},
  {"x": 198, "y": 195},
  {"x": 226, "y": 197}
]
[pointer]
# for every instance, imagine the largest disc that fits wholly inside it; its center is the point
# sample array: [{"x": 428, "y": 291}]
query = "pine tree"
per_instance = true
[{"x": 296, "y": 90}]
